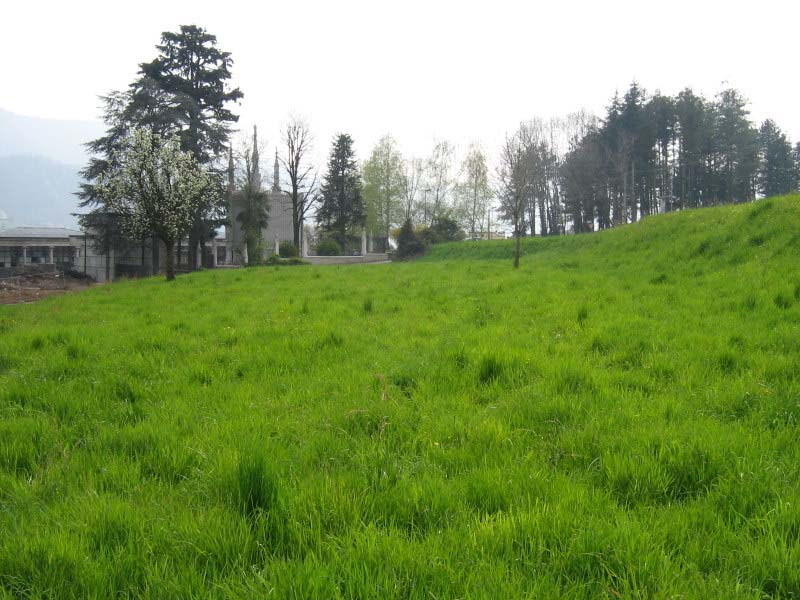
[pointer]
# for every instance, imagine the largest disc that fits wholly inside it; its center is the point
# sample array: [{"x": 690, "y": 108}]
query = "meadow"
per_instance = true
[{"x": 616, "y": 419}]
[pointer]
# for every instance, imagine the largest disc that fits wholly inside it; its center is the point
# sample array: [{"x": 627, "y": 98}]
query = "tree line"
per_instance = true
[{"x": 648, "y": 154}]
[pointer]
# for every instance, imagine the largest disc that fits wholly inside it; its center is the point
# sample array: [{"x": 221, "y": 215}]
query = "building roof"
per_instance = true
[{"x": 38, "y": 232}]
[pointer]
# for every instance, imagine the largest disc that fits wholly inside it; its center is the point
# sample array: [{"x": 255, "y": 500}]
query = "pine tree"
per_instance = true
[
  {"x": 342, "y": 207},
  {"x": 184, "y": 89},
  {"x": 737, "y": 143},
  {"x": 694, "y": 139},
  {"x": 776, "y": 174}
]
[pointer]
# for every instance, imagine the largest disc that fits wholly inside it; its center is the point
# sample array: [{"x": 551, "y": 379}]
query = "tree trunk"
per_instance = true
[
  {"x": 191, "y": 251},
  {"x": 518, "y": 235},
  {"x": 295, "y": 223},
  {"x": 155, "y": 259},
  {"x": 170, "y": 266}
]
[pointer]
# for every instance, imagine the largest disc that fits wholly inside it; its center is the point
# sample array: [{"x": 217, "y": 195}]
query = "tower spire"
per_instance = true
[
  {"x": 256, "y": 174},
  {"x": 276, "y": 178}
]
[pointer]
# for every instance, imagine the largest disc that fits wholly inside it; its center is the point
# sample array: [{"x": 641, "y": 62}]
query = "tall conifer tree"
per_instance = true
[{"x": 341, "y": 210}]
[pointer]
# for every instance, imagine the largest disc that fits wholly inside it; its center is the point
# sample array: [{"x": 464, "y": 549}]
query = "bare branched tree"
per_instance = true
[
  {"x": 413, "y": 171},
  {"x": 302, "y": 175},
  {"x": 515, "y": 180},
  {"x": 440, "y": 178},
  {"x": 473, "y": 190}
]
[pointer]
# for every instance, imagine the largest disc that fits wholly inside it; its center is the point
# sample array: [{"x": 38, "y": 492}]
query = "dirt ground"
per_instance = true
[{"x": 37, "y": 287}]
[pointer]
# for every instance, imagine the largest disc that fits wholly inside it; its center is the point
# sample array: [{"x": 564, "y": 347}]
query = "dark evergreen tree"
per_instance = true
[
  {"x": 341, "y": 209},
  {"x": 652, "y": 154},
  {"x": 184, "y": 91},
  {"x": 408, "y": 243},
  {"x": 735, "y": 162},
  {"x": 637, "y": 129},
  {"x": 777, "y": 171},
  {"x": 586, "y": 186},
  {"x": 661, "y": 114},
  {"x": 694, "y": 138}
]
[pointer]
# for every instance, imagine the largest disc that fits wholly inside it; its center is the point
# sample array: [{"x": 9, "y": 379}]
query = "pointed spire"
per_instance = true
[
  {"x": 276, "y": 178},
  {"x": 256, "y": 183}
]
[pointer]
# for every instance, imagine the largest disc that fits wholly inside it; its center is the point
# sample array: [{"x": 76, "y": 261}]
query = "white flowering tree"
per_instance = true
[{"x": 155, "y": 189}]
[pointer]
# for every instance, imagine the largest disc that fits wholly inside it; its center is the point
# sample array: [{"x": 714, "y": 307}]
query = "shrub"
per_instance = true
[
  {"x": 443, "y": 229},
  {"x": 329, "y": 247},
  {"x": 408, "y": 243},
  {"x": 287, "y": 250}
]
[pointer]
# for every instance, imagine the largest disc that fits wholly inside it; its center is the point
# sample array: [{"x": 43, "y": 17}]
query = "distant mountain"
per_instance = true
[
  {"x": 39, "y": 164},
  {"x": 36, "y": 191},
  {"x": 56, "y": 139}
]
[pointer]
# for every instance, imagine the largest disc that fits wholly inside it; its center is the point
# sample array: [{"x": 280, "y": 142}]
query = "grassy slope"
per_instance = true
[{"x": 618, "y": 418}]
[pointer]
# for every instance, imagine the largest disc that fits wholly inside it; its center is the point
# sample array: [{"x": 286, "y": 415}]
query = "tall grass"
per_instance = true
[{"x": 618, "y": 418}]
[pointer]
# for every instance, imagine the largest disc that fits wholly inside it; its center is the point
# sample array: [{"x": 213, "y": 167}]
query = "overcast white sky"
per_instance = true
[{"x": 417, "y": 69}]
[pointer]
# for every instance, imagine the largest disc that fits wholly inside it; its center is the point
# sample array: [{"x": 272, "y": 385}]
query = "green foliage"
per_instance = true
[
  {"x": 443, "y": 229},
  {"x": 695, "y": 151},
  {"x": 565, "y": 430},
  {"x": 408, "y": 242},
  {"x": 777, "y": 171},
  {"x": 341, "y": 209},
  {"x": 329, "y": 247},
  {"x": 184, "y": 92},
  {"x": 167, "y": 205},
  {"x": 248, "y": 201},
  {"x": 287, "y": 250},
  {"x": 383, "y": 187}
]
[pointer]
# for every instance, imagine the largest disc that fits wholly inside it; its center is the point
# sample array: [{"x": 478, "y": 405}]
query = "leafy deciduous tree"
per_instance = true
[
  {"x": 515, "y": 179},
  {"x": 155, "y": 187},
  {"x": 183, "y": 91},
  {"x": 474, "y": 190},
  {"x": 384, "y": 187}
]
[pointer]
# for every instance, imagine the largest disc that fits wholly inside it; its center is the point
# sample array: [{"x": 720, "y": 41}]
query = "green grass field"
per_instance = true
[{"x": 618, "y": 418}]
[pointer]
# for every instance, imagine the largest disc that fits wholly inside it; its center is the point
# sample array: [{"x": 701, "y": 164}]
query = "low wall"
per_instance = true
[
  {"x": 27, "y": 270},
  {"x": 346, "y": 260}
]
